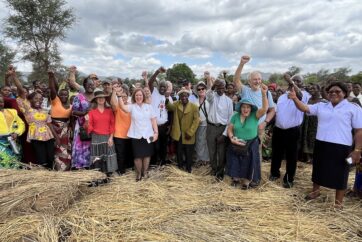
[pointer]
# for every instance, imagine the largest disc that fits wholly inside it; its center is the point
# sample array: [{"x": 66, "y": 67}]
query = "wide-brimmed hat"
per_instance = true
[
  {"x": 245, "y": 101},
  {"x": 183, "y": 90},
  {"x": 98, "y": 94}
]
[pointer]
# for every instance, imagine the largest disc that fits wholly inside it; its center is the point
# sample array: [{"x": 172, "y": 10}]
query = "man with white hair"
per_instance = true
[{"x": 254, "y": 93}]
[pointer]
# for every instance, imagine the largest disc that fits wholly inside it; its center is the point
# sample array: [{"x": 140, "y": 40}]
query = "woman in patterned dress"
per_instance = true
[{"x": 81, "y": 106}]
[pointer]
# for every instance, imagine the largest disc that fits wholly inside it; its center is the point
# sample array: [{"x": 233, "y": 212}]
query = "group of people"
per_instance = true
[{"x": 231, "y": 126}]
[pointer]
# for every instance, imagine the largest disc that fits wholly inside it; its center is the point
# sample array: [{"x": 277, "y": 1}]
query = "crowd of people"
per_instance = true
[{"x": 230, "y": 126}]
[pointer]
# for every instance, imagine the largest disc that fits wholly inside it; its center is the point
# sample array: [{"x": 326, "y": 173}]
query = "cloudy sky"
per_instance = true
[{"x": 124, "y": 37}]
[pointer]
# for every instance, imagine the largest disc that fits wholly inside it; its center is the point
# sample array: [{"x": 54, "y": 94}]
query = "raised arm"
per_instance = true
[
  {"x": 114, "y": 100},
  {"x": 12, "y": 76},
  {"x": 72, "y": 81},
  {"x": 237, "y": 82},
  {"x": 52, "y": 86},
  {"x": 291, "y": 83},
  {"x": 123, "y": 106},
  {"x": 153, "y": 77},
  {"x": 299, "y": 104},
  {"x": 261, "y": 111}
]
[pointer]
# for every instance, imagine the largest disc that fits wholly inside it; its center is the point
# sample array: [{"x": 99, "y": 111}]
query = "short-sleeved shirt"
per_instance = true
[
  {"x": 247, "y": 130},
  {"x": 58, "y": 111},
  {"x": 335, "y": 124},
  {"x": 287, "y": 115},
  {"x": 159, "y": 106},
  {"x": 257, "y": 99},
  {"x": 38, "y": 120},
  {"x": 123, "y": 122},
  {"x": 141, "y": 125}
]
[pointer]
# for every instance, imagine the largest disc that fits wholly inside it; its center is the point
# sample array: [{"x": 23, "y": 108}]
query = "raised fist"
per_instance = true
[
  {"x": 245, "y": 59},
  {"x": 162, "y": 69}
]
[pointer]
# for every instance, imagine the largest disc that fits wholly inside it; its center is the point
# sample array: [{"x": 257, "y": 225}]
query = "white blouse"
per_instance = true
[
  {"x": 335, "y": 124},
  {"x": 141, "y": 125}
]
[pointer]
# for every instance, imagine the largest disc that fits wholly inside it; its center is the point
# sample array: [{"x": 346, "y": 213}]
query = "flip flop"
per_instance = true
[{"x": 311, "y": 196}]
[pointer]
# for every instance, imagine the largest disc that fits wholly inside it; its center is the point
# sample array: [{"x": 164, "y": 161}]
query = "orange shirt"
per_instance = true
[
  {"x": 123, "y": 122},
  {"x": 58, "y": 111}
]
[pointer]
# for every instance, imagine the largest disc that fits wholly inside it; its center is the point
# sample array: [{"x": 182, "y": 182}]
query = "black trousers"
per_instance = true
[
  {"x": 160, "y": 145},
  {"x": 184, "y": 155},
  {"x": 124, "y": 153},
  {"x": 285, "y": 143},
  {"x": 44, "y": 152}
]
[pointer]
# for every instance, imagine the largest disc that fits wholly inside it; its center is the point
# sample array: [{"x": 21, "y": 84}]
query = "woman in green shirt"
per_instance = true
[{"x": 243, "y": 156}]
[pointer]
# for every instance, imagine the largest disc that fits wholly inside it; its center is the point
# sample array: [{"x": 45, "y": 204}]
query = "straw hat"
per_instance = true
[{"x": 98, "y": 94}]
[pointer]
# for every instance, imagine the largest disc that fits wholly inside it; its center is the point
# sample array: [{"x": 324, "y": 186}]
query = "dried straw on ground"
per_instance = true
[
  {"x": 176, "y": 206},
  {"x": 27, "y": 191}
]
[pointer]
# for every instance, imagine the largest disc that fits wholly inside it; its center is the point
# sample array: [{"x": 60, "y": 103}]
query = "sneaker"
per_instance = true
[{"x": 287, "y": 184}]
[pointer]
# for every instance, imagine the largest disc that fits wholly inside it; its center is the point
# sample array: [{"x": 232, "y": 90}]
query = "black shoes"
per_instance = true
[{"x": 288, "y": 184}]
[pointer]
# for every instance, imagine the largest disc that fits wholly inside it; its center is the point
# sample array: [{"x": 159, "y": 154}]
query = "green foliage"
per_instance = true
[
  {"x": 6, "y": 58},
  {"x": 293, "y": 70},
  {"x": 38, "y": 25},
  {"x": 357, "y": 78},
  {"x": 275, "y": 77},
  {"x": 179, "y": 72}
]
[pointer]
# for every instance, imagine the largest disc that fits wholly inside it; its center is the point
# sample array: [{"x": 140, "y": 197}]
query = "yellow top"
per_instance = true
[{"x": 10, "y": 122}]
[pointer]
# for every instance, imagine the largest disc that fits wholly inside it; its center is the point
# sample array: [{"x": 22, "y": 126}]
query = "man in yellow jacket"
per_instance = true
[{"x": 186, "y": 120}]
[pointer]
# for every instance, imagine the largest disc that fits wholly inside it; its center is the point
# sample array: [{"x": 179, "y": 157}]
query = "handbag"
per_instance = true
[
  {"x": 83, "y": 134},
  {"x": 242, "y": 150}
]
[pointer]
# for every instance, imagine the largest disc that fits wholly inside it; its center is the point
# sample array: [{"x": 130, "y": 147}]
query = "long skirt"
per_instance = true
[
  {"x": 329, "y": 166},
  {"x": 62, "y": 157},
  {"x": 103, "y": 157},
  {"x": 80, "y": 151},
  {"x": 202, "y": 153},
  {"x": 8, "y": 159},
  {"x": 245, "y": 166},
  {"x": 358, "y": 181}
]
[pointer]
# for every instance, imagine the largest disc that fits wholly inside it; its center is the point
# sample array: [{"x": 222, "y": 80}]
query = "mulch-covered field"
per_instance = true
[{"x": 171, "y": 205}]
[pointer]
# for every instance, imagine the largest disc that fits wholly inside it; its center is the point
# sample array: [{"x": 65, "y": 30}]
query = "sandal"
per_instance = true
[{"x": 312, "y": 195}]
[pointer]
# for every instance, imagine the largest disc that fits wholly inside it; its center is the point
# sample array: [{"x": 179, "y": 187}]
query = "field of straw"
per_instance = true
[{"x": 171, "y": 205}]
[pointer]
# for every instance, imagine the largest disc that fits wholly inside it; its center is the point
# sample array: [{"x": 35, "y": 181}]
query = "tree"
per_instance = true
[
  {"x": 357, "y": 78},
  {"x": 6, "y": 58},
  {"x": 38, "y": 25},
  {"x": 341, "y": 74},
  {"x": 293, "y": 70},
  {"x": 273, "y": 78},
  {"x": 180, "y": 72}
]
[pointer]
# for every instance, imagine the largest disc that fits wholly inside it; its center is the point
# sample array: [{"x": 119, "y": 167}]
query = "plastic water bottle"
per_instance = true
[{"x": 13, "y": 145}]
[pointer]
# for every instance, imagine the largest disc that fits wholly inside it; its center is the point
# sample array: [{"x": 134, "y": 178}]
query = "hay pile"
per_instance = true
[
  {"x": 25, "y": 191},
  {"x": 176, "y": 206}
]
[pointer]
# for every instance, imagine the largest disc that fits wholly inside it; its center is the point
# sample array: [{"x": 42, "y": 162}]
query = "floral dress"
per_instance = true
[
  {"x": 81, "y": 149},
  {"x": 37, "y": 120}
]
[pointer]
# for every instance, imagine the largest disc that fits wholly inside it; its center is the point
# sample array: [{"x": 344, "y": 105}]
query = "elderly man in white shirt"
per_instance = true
[
  {"x": 219, "y": 114},
  {"x": 286, "y": 133}
]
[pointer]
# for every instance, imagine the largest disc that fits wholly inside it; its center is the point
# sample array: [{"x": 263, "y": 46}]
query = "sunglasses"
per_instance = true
[
  {"x": 200, "y": 89},
  {"x": 334, "y": 91}
]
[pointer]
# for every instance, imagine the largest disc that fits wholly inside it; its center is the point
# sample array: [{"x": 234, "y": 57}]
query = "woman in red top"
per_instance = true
[{"x": 101, "y": 128}]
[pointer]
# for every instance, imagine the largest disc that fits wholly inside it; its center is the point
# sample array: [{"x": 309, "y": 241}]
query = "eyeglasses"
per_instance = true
[
  {"x": 200, "y": 89},
  {"x": 334, "y": 91}
]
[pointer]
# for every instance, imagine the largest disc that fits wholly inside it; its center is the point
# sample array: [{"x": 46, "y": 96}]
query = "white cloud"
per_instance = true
[{"x": 125, "y": 37}]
